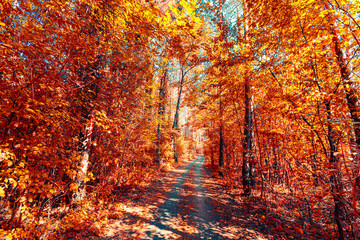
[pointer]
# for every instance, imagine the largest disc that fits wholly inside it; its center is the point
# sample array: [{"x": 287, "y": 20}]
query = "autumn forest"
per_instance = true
[{"x": 240, "y": 119}]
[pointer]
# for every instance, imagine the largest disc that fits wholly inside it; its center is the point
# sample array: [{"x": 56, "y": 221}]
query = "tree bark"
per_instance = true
[
  {"x": 89, "y": 76},
  {"x": 351, "y": 97},
  {"x": 84, "y": 162},
  {"x": 161, "y": 111},
  {"x": 353, "y": 105},
  {"x": 334, "y": 177},
  {"x": 247, "y": 142},
  {"x": 351, "y": 91},
  {"x": 221, "y": 141},
  {"x": 176, "y": 117},
  {"x": 87, "y": 97}
]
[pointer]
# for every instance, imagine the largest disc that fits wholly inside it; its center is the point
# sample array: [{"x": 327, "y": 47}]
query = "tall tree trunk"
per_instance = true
[
  {"x": 351, "y": 96},
  {"x": 176, "y": 117},
  {"x": 247, "y": 141},
  {"x": 211, "y": 149},
  {"x": 89, "y": 76},
  {"x": 85, "y": 142},
  {"x": 351, "y": 90},
  {"x": 335, "y": 177},
  {"x": 221, "y": 142},
  {"x": 87, "y": 97},
  {"x": 353, "y": 105},
  {"x": 162, "y": 95}
]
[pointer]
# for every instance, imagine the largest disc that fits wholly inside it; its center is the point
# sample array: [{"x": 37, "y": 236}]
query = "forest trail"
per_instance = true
[
  {"x": 104, "y": 106},
  {"x": 205, "y": 220},
  {"x": 187, "y": 203},
  {"x": 191, "y": 202}
]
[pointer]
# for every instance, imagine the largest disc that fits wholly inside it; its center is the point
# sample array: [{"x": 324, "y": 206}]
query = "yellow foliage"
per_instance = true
[
  {"x": 74, "y": 187},
  {"x": 2, "y": 192},
  {"x": 85, "y": 220}
]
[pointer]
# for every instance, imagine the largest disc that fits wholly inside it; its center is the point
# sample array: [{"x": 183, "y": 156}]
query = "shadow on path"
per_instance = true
[
  {"x": 207, "y": 220},
  {"x": 160, "y": 227}
]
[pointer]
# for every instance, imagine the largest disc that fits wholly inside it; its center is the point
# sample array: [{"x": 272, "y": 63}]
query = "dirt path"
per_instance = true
[
  {"x": 188, "y": 203},
  {"x": 204, "y": 221},
  {"x": 161, "y": 226}
]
